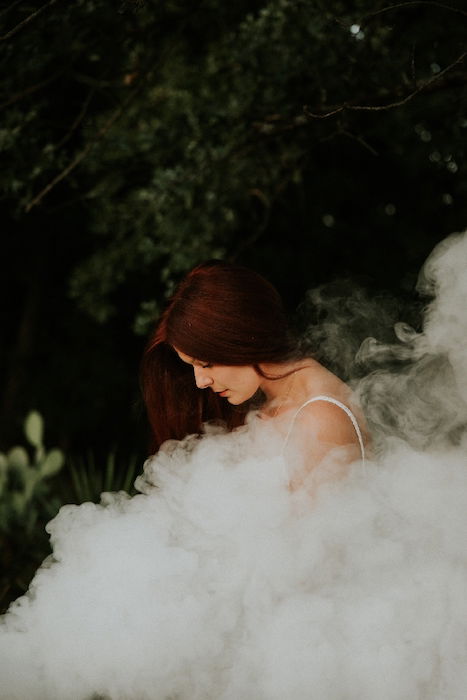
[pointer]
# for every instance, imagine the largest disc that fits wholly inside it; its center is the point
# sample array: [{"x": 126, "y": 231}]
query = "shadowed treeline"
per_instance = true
[{"x": 309, "y": 141}]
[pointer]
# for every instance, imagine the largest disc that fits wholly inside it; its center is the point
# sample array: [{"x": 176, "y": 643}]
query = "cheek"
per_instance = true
[
  {"x": 250, "y": 381},
  {"x": 239, "y": 379}
]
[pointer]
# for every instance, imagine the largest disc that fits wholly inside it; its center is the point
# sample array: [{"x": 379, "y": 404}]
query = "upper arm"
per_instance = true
[{"x": 322, "y": 436}]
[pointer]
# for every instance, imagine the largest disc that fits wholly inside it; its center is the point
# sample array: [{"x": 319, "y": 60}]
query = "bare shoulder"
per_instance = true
[
  {"x": 327, "y": 422},
  {"x": 322, "y": 435}
]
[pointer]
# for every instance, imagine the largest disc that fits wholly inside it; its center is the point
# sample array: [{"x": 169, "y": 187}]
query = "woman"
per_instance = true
[
  {"x": 226, "y": 326},
  {"x": 217, "y": 583}
]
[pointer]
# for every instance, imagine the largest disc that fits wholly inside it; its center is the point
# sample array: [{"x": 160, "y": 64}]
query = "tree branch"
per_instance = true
[
  {"x": 412, "y": 3},
  {"x": 77, "y": 160},
  {"x": 30, "y": 90},
  {"x": 26, "y": 21},
  {"x": 360, "y": 140},
  {"x": 77, "y": 121},
  {"x": 260, "y": 229},
  {"x": 425, "y": 85},
  {"x": 6, "y": 10}
]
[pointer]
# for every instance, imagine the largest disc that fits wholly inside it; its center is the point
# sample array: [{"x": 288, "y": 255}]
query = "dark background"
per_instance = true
[{"x": 312, "y": 140}]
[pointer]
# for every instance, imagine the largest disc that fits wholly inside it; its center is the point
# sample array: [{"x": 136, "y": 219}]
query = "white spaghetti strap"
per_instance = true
[{"x": 329, "y": 399}]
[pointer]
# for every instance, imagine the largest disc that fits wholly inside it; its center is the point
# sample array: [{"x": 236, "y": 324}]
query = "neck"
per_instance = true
[{"x": 286, "y": 389}]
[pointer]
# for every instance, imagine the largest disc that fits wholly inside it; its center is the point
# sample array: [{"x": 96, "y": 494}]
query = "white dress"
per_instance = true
[{"x": 218, "y": 583}]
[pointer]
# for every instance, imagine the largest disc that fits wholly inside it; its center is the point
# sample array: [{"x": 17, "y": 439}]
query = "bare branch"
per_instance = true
[
  {"x": 6, "y": 10},
  {"x": 325, "y": 115},
  {"x": 425, "y": 85},
  {"x": 413, "y": 3},
  {"x": 414, "y": 76},
  {"x": 77, "y": 160},
  {"x": 26, "y": 21},
  {"x": 92, "y": 81},
  {"x": 77, "y": 121},
  {"x": 30, "y": 90},
  {"x": 360, "y": 140},
  {"x": 260, "y": 229}
]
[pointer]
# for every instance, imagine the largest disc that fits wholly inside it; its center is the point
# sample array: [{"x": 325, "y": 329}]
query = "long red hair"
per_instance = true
[{"x": 221, "y": 313}]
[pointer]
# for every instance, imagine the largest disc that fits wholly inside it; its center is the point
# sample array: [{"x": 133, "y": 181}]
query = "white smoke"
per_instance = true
[
  {"x": 420, "y": 392},
  {"x": 217, "y": 583},
  {"x": 445, "y": 275}
]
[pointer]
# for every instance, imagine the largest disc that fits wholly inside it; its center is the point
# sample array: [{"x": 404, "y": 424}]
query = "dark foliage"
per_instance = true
[{"x": 310, "y": 140}]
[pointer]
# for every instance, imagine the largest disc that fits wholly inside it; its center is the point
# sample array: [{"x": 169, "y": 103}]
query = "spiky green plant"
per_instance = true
[
  {"x": 89, "y": 478},
  {"x": 27, "y": 501},
  {"x": 23, "y": 478}
]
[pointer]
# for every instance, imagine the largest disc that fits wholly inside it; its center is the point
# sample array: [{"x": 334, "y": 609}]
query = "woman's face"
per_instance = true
[{"x": 235, "y": 383}]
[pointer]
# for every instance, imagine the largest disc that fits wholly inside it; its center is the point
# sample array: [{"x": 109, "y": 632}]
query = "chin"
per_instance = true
[
  {"x": 236, "y": 400},
  {"x": 233, "y": 401},
  {"x": 239, "y": 400}
]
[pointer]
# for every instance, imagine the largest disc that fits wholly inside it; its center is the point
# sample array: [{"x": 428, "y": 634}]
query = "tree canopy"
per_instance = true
[{"x": 310, "y": 139}]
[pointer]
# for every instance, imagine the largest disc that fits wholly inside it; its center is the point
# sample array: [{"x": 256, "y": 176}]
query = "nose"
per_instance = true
[{"x": 202, "y": 379}]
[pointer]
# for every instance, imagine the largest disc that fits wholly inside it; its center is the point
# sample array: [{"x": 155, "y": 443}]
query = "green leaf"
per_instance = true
[
  {"x": 31, "y": 478},
  {"x": 34, "y": 428},
  {"x": 3, "y": 472},
  {"x": 18, "y": 502},
  {"x": 18, "y": 458},
  {"x": 109, "y": 472},
  {"x": 52, "y": 463},
  {"x": 130, "y": 474}
]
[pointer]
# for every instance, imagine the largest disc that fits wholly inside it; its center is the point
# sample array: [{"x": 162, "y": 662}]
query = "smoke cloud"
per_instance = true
[{"x": 215, "y": 582}]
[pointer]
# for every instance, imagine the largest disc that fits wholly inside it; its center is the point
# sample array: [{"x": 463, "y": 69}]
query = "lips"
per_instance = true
[{"x": 222, "y": 393}]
